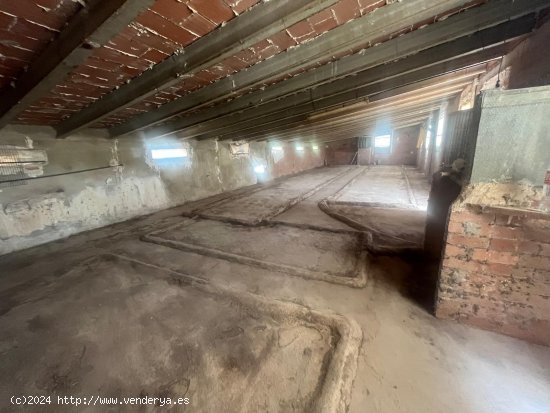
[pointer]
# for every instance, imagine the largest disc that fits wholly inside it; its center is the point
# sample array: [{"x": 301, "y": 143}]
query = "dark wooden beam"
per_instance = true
[
  {"x": 281, "y": 122},
  {"x": 336, "y": 95},
  {"x": 291, "y": 126},
  {"x": 237, "y": 35},
  {"x": 412, "y": 44},
  {"x": 94, "y": 24},
  {"x": 343, "y": 39},
  {"x": 429, "y": 63}
]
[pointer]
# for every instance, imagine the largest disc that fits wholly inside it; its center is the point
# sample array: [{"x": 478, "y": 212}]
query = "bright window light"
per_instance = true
[
  {"x": 259, "y": 169},
  {"x": 299, "y": 148},
  {"x": 382, "y": 141},
  {"x": 315, "y": 147},
  {"x": 277, "y": 148},
  {"x": 169, "y": 153},
  {"x": 440, "y": 129}
]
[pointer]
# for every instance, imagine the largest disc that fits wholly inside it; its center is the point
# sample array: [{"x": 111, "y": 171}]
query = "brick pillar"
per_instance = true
[{"x": 495, "y": 273}]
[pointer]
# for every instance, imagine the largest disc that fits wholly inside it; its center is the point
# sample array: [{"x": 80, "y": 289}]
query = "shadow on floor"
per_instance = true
[{"x": 413, "y": 273}]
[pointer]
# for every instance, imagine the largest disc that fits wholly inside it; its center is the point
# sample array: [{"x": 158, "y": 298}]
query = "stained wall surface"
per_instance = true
[
  {"x": 514, "y": 136},
  {"x": 49, "y": 208},
  {"x": 495, "y": 272},
  {"x": 403, "y": 150}
]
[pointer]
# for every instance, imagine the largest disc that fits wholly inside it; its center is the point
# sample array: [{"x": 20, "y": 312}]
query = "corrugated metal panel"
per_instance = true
[{"x": 461, "y": 135}]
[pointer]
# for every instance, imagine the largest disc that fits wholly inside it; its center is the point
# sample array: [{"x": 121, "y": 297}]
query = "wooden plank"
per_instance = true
[{"x": 291, "y": 126}]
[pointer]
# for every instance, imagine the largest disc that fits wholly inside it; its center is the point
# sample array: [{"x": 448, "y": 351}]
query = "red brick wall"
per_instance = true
[
  {"x": 403, "y": 151},
  {"x": 528, "y": 65},
  {"x": 341, "y": 152},
  {"x": 495, "y": 274},
  {"x": 365, "y": 156}
]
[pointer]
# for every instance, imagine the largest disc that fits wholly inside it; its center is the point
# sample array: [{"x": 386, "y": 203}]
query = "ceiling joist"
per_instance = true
[
  {"x": 382, "y": 109},
  {"x": 92, "y": 26},
  {"x": 416, "y": 45},
  {"x": 282, "y": 123},
  {"x": 347, "y": 38},
  {"x": 237, "y": 35}
]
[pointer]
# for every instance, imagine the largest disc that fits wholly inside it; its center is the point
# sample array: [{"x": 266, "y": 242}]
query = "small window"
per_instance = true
[
  {"x": 382, "y": 144},
  {"x": 259, "y": 169},
  {"x": 172, "y": 153}
]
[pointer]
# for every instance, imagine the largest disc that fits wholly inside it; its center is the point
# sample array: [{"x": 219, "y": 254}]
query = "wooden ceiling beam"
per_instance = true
[{"x": 93, "y": 25}]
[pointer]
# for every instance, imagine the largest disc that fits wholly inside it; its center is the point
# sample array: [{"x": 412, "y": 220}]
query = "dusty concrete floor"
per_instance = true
[
  {"x": 309, "y": 253},
  {"x": 408, "y": 360},
  {"x": 390, "y": 202},
  {"x": 393, "y": 186},
  {"x": 307, "y": 212},
  {"x": 115, "y": 327},
  {"x": 266, "y": 203}
]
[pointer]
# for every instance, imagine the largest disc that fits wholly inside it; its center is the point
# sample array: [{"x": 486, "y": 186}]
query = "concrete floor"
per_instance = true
[
  {"x": 408, "y": 360},
  {"x": 386, "y": 186},
  {"x": 389, "y": 202}
]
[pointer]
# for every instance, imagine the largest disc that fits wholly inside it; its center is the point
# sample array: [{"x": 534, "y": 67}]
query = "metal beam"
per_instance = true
[
  {"x": 293, "y": 115},
  {"x": 321, "y": 49},
  {"x": 351, "y": 36},
  {"x": 440, "y": 55},
  {"x": 386, "y": 116},
  {"x": 94, "y": 24},
  {"x": 285, "y": 122},
  {"x": 359, "y": 128},
  {"x": 353, "y": 131},
  {"x": 398, "y": 125},
  {"x": 405, "y": 91},
  {"x": 363, "y": 128},
  {"x": 375, "y": 110},
  {"x": 391, "y": 105},
  {"x": 334, "y": 94},
  {"x": 237, "y": 35},
  {"x": 388, "y": 108}
]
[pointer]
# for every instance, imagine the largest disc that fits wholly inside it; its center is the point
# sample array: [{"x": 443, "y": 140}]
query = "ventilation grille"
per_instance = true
[{"x": 19, "y": 165}]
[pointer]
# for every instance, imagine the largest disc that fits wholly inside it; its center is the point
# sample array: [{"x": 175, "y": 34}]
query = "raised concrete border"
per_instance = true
[
  {"x": 333, "y": 200},
  {"x": 340, "y": 372},
  {"x": 266, "y": 217},
  {"x": 359, "y": 280},
  {"x": 376, "y": 242}
]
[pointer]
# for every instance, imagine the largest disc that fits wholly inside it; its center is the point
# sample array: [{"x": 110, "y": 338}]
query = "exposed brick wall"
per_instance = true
[
  {"x": 26, "y": 27},
  {"x": 167, "y": 27},
  {"x": 365, "y": 156},
  {"x": 404, "y": 151},
  {"x": 341, "y": 152},
  {"x": 495, "y": 274}
]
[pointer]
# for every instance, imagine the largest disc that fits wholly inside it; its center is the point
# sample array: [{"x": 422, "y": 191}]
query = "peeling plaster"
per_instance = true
[
  {"x": 30, "y": 222},
  {"x": 58, "y": 207}
]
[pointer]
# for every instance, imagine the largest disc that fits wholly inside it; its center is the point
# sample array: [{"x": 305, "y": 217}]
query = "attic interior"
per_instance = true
[{"x": 275, "y": 206}]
